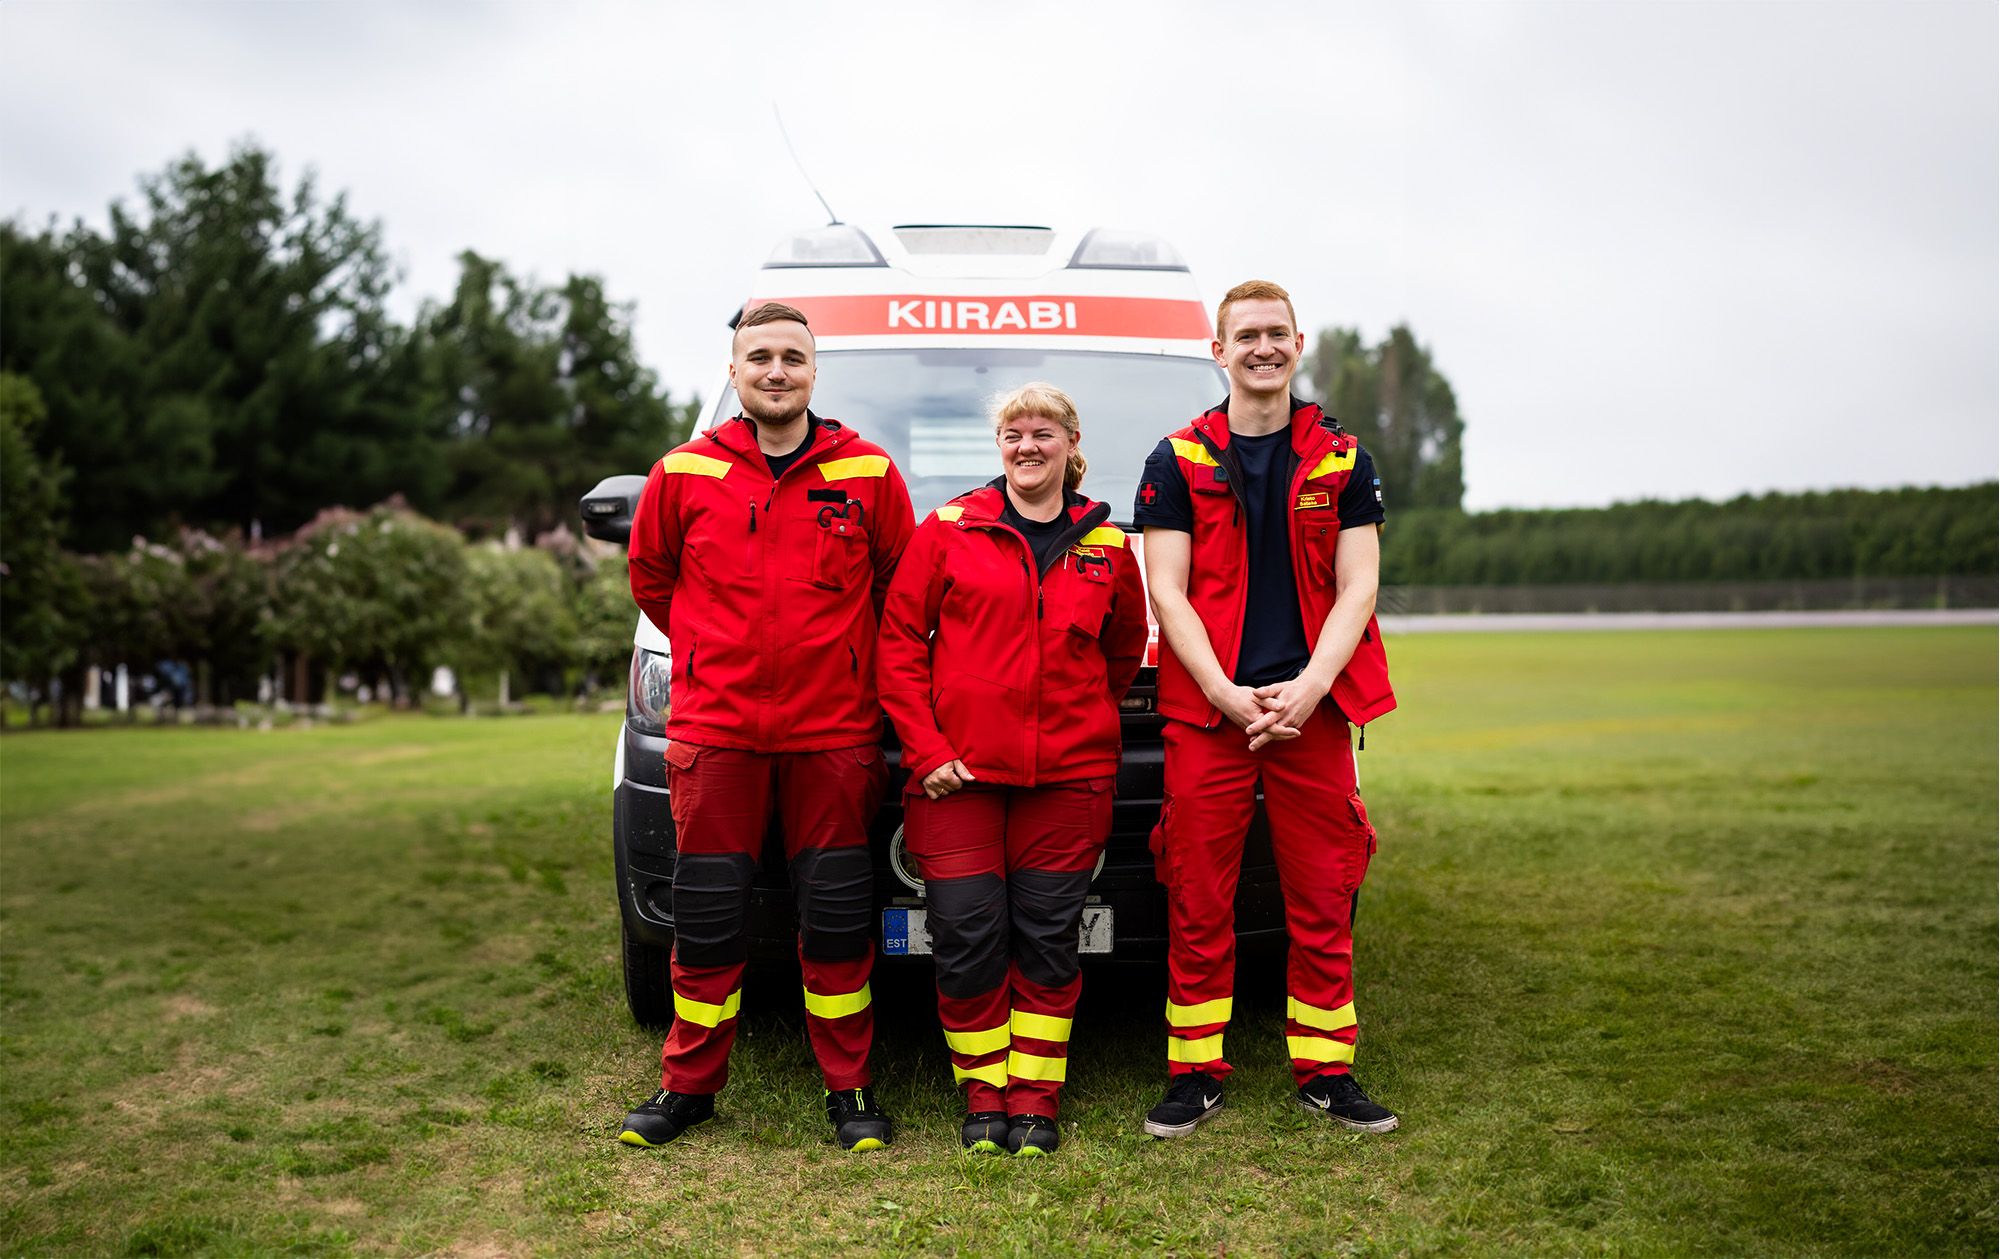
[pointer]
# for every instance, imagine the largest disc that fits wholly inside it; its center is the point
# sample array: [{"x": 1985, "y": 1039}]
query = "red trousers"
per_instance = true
[
  {"x": 722, "y": 803},
  {"x": 1321, "y": 835},
  {"x": 1006, "y": 871}
]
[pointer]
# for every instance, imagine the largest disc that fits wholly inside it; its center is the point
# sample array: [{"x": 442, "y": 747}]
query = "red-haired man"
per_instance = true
[{"x": 1260, "y": 521}]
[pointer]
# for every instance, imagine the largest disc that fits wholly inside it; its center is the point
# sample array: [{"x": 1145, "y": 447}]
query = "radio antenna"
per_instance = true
[{"x": 832, "y": 219}]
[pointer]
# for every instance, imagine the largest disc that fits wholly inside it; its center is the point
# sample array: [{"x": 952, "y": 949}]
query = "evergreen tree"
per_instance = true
[{"x": 1393, "y": 398}]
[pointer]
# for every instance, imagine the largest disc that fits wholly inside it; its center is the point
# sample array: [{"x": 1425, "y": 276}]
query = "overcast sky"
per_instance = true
[{"x": 1659, "y": 250}]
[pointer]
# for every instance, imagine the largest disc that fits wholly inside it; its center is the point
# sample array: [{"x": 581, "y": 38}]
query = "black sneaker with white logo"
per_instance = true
[
  {"x": 666, "y": 1116},
  {"x": 858, "y": 1123},
  {"x": 1340, "y": 1099},
  {"x": 1030, "y": 1136},
  {"x": 1193, "y": 1097}
]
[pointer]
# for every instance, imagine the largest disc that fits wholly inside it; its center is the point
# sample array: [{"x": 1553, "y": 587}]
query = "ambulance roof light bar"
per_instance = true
[
  {"x": 973, "y": 238},
  {"x": 837, "y": 245},
  {"x": 1109, "y": 249}
]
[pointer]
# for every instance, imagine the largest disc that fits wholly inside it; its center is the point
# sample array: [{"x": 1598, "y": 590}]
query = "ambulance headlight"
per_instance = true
[
  {"x": 1110, "y": 249},
  {"x": 646, "y": 703},
  {"x": 838, "y": 246}
]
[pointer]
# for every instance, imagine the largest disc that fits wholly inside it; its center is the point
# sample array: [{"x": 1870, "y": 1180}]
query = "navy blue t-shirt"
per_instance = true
[{"x": 1274, "y": 637}]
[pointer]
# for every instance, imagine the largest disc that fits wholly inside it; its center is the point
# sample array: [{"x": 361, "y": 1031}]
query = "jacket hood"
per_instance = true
[
  {"x": 1308, "y": 422},
  {"x": 738, "y": 436}
]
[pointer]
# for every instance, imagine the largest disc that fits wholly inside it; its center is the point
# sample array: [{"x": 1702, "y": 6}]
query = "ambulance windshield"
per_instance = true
[{"x": 927, "y": 408}]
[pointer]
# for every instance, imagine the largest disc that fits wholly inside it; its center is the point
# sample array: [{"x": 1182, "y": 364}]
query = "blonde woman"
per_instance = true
[{"x": 1013, "y": 627}]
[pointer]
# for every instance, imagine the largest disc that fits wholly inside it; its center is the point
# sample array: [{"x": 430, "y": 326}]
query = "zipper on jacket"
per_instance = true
[
  {"x": 690, "y": 668},
  {"x": 753, "y": 515},
  {"x": 1364, "y": 740},
  {"x": 853, "y": 661}
]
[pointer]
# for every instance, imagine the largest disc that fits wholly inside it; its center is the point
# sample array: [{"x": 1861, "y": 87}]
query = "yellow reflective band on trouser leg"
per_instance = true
[
  {"x": 704, "y": 1014},
  {"x": 1207, "y": 1049},
  {"x": 994, "y": 1073},
  {"x": 1314, "y": 1016},
  {"x": 976, "y": 1043},
  {"x": 1199, "y": 1015},
  {"x": 839, "y": 1005},
  {"x": 1040, "y": 1026},
  {"x": 1318, "y": 1049},
  {"x": 1035, "y": 1067}
]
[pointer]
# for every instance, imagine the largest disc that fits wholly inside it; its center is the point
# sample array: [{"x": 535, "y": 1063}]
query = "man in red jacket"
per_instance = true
[
  {"x": 764, "y": 548},
  {"x": 1260, "y": 523}
]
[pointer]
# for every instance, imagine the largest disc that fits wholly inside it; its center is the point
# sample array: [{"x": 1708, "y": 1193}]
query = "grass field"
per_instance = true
[{"x": 1676, "y": 944}]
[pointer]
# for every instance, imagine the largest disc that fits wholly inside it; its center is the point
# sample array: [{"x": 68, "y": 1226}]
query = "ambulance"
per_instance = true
[{"x": 918, "y": 327}]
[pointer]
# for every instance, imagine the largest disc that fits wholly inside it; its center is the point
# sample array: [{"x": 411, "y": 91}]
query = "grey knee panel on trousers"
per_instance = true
[
  {"x": 1047, "y": 907},
  {"x": 833, "y": 887},
  {"x": 711, "y": 908},
  {"x": 968, "y": 923}
]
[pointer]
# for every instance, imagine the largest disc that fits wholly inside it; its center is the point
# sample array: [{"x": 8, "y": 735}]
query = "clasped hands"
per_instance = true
[{"x": 1271, "y": 713}]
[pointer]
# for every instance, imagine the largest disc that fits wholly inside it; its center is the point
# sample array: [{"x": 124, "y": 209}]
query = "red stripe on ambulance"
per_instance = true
[{"x": 914, "y": 314}]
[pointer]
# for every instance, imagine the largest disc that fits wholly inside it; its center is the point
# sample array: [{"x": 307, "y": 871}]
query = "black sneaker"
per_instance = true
[
  {"x": 984, "y": 1131},
  {"x": 1191, "y": 1098},
  {"x": 1340, "y": 1099},
  {"x": 858, "y": 1123},
  {"x": 667, "y": 1116},
  {"x": 1031, "y": 1136}
]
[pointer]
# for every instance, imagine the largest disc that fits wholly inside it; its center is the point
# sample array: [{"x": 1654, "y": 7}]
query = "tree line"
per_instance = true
[
  {"x": 221, "y": 356},
  {"x": 1838, "y": 534}
]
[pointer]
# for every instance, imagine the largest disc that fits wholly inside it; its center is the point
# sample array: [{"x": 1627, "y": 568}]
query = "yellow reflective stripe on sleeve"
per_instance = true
[
  {"x": 859, "y": 465},
  {"x": 1318, "y": 1049},
  {"x": 839, "y": 1005},
  {"x": 1207, "y": 1049},
  {"x": 1313, "y": 1016},
  {"x": 1040, "y": 1026},
  {"x": 1193, "y": 452},
  {"x": 704, "y": 1014},
  {"x": 1035, "y": 1067},
  {"x": 1335, "y": 462},
  {"x": 1103, "y": 535},
  {"x": 977, "y": 1042},
  {"x": 994, "y": 1073},
  {"x": 1216, "y": 1011},
  {"x": 694, "y": 465}
]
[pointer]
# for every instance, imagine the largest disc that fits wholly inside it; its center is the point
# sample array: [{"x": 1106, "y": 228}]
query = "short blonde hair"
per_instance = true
[
  {"x": 1252, "y": 290},
  {"x": 1049, "y": 402}
]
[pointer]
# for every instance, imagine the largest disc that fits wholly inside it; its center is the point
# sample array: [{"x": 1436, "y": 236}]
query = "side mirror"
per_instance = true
[{"x": 607, "y": 509}]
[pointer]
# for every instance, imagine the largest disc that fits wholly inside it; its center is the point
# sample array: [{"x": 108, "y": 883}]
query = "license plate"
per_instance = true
[{"x": 906, "y": 932}]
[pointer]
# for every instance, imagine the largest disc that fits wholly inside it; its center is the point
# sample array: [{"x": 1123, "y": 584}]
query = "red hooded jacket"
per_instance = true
[
  {"x": 1014, "y": 671},
  {"x": 1219, "y": 572},
  {"x": 769, "y": 591}
]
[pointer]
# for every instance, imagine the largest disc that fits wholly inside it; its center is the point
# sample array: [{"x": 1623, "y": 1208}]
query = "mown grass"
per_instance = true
[{"x": 1676, "y": 944}]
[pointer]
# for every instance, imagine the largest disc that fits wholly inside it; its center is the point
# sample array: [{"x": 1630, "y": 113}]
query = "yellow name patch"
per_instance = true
[
  {"x": 691, "y": 464},
  {"x": 1095, "y": 552},
  {"x": 859, "y": 465},
  {"x": 1314, "y": 500}
]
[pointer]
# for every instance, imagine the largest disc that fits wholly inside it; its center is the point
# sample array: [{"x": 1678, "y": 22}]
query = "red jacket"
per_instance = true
[
  {"x": 1219, "y": 572},
  {"x": 769, "y": 591},
  {"x": 1016, "y": 672}
]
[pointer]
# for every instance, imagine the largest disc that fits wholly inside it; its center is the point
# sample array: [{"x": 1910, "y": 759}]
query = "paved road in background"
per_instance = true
[{"x": 1501, "y": 623}]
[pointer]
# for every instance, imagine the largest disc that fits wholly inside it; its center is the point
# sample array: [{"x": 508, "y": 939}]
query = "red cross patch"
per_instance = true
[{"x": 1148, "y": 492}]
